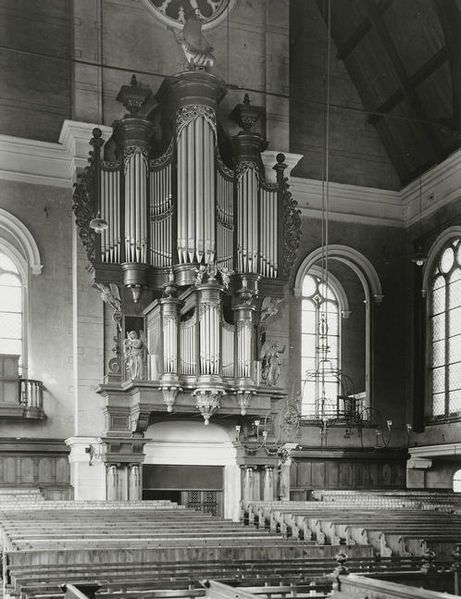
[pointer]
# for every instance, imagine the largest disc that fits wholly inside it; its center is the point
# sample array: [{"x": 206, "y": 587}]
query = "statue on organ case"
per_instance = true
[
  {"x": 271, "y": 362},
  {"x": 195, "y": 46},
  {"x": 135, "y": 355}
]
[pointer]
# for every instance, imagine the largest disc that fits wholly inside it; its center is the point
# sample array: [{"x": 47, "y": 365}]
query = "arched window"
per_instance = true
[
  {"x": 353, "y": 284},
  {"x": 445, "y": 329},
  {"x": 457, "y": 481},
  {"x": 11, "y": 308},
  {"x": 320, "y": 345},
  {"x": 19, "y": 259}
]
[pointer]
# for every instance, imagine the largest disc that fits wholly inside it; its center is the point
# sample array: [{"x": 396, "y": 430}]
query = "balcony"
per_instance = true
[{"x": 20, "y": 398}]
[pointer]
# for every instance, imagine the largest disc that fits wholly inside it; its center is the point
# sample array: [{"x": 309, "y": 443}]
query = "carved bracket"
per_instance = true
[
  {"x": 208, "y": 401},
  {"x": 169, "y": 396}
]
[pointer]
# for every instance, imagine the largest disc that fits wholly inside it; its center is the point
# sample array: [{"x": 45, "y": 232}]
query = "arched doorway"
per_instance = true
[{"x": 194, "y": 465}]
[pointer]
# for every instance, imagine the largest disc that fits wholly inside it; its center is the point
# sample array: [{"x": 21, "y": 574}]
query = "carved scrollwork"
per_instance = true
[
  {"x": 129, "y": 151},
  {"x": 245, "y": 165},
  {"x": 225, "y": 171},
  {"x": 85, "y": 197},
  {"x": 292, "y": 226},
  {"x": 291, "y": 217},
  {"x": 189, "y": 113},
  {"x": 156, "y": 164}
]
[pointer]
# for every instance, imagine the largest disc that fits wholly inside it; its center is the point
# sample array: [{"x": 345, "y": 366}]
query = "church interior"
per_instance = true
[{"x": 230, "y": 298}]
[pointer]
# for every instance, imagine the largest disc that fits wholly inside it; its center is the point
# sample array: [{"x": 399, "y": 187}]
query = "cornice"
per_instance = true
[
  {"x": 350, "y": 203},
  {"x": 35, "y": 162},
  {"x": 56, "y": 164},
  {"x": 440, "y": 186},
  {"x": 46, "y": 163},
  {"x": 433, "y": 451}
]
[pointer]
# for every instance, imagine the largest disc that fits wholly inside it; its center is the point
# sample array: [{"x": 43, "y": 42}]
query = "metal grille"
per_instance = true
[{"x": 204, "y": 501}]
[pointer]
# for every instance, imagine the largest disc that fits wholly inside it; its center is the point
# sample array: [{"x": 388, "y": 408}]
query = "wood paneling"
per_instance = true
[
  {"x": 339, "y": 471},
  {"x": 35, "y": 463}
]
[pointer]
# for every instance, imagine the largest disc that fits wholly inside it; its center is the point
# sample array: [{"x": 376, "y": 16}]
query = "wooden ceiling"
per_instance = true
[{"x": 404, "y": 57}]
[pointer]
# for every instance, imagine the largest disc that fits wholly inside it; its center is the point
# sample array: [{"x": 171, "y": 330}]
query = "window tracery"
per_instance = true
[
  {"x": 320, "y": 346},
  {"x": 445, "y": 330}
]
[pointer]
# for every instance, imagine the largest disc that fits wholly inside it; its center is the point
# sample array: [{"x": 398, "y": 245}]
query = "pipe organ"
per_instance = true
[{"x": 183, "y": 218}]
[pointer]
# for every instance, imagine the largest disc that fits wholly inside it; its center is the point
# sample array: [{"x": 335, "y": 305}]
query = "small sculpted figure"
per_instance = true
[
  {"x": 135, "y": 350},
  {"x": 195, "y": 46},
  {"x": 269, "y": 308},
  {"x": 226, "y": 274},
  {"x": 271, "y": 362},
  {"x": 200, "y": 272}
]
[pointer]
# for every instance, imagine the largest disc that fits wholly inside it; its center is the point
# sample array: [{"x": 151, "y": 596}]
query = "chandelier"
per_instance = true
[{"x": 259, "y": 434}]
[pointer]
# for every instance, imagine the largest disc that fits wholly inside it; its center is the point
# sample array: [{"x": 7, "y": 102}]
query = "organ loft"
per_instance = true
[
  {"x": 190, "y": 239},
  {"x": 230, "y": 297}
]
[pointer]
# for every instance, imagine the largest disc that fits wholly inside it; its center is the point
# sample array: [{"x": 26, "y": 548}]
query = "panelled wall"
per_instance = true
[
  {"x": 338, "y": 469},
  {"x": 32, "y": 463}
]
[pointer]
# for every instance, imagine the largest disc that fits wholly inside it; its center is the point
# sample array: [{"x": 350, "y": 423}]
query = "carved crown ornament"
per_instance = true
[{"x": 185, "y": 242}]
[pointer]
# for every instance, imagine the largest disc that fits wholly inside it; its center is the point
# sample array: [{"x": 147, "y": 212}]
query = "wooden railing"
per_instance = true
[{"x": 355, "y": 586}]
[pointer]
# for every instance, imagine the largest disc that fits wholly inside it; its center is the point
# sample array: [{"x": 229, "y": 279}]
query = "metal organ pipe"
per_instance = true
[
  {"x": 161, "y": 217},
  {"x": 198, "y": 215},
  {"x": 196, "y": 191},
  {"x": 191, "y": 161}
]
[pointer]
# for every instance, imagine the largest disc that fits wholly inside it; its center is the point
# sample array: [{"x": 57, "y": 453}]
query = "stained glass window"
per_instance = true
[
  {"x": 320, "y": 347},
  {"x": 445, "y": 331},
  {"x": 11, "y": 307}
]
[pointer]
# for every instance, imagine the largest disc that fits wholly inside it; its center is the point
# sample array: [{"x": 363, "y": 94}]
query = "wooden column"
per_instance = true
[
  {"x": 134, "y": 483},
  {"x": 112, "y": 482},
  {"x": 248, "y": 483},
  {"x": 285, "y": 480},
  {"x": 268, "y": 483}
]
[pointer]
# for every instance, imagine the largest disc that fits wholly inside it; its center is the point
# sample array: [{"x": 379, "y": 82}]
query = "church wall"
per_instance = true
[
  {"x": 383, "y": 246},
  {"x": 356, "y": 153},
  {"x": 251, "y": 52},
  {"x": 45, "y": 211},
  {"x": 428, "y": 433},
  {"x": 35, "y": 86}
]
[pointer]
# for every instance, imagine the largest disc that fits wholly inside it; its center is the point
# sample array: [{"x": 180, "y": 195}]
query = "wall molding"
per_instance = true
[
  {"x": 434, "y": 451},
  {"x": 349, "y": 203},
  {"x": 55, "y": 164},
  {"x": 24, "y": 240}
]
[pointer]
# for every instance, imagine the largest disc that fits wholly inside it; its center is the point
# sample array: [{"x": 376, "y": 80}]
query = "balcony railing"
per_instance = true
[{"x": 30, "y": 393}]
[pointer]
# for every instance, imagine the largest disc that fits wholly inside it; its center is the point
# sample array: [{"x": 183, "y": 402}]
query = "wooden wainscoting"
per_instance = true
[
  {"x": 346, "y": 469},
  {"x": 40, "y": 463}
]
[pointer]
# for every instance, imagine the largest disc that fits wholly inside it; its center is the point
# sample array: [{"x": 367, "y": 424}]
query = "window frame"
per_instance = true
[
  {"x": 343, "y": 312},
  {"x": 15, "y": 256},
  {"x": 430, "y": 268},
  {"x": 373, "y": 294},
  {"x": 18, "y": 243}
]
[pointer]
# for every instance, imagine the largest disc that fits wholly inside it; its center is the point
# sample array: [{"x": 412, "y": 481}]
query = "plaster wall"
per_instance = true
[
  {"x": 45, "y": 211},
  {"x": 251, "y": 49},
  {"x": 35, "y": 86}
]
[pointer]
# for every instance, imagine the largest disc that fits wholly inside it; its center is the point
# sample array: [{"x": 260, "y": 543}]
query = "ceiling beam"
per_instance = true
[
  {"x": 423, "y": 73},
  {"x": 395, "y": 152},
  {"x": 450, "y": 19},
  {"x": 427, "y": 135},
  {"x": 359, "y": 33}
]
